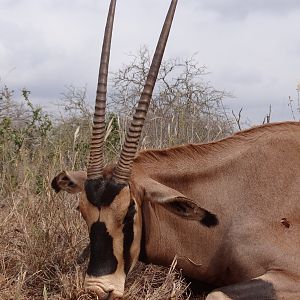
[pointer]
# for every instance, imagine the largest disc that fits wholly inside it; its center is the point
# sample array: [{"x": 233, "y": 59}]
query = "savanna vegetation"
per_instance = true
[{"x": 41, "y": 233}]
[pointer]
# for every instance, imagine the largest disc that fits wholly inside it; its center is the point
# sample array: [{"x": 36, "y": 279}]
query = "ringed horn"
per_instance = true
[
  {"x": 96, "y": 163},
  {"x": 123, "y": 169}
]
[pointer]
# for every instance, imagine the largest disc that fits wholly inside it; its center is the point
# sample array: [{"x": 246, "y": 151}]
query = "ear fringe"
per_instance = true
[{"x": 209, "y": 219}]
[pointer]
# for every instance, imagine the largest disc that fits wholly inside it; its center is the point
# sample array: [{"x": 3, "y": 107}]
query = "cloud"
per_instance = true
[
  {"x": 242, "y": 9},
  {"x": 250, "y": 47}
]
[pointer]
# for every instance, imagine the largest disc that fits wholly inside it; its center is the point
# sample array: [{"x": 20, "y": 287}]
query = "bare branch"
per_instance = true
[{"x": 237, "y": 118}]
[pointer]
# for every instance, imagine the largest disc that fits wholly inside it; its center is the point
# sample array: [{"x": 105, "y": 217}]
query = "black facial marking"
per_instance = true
[
  {"x": 251, "y": 290},
  {"x": 128, "y": 235},
  {"x": 101, "y": 192},
  {"x": 209, "y": 219},
  {"x": 55, "y": 186},
  {"x": 102, "y": 258}
]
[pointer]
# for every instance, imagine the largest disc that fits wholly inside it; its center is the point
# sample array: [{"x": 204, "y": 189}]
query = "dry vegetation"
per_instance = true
[{"x": 42, "y": 234}]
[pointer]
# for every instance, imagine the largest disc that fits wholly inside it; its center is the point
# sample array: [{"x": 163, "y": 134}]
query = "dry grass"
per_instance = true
[
  {"x": 41, "y": 237},
  {"x": 154, "y": 282},
  {"x": 42, "y": 234}
]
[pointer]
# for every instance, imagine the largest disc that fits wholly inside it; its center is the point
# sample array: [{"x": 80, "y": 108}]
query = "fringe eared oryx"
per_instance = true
[{"x": 229, "y": 210}]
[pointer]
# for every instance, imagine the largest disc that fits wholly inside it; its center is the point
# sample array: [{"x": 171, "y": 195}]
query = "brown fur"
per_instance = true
[{"x": 251, "y": 182}]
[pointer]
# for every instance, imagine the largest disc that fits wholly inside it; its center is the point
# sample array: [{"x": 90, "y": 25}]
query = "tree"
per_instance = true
[{"x": 184, "y": 107}]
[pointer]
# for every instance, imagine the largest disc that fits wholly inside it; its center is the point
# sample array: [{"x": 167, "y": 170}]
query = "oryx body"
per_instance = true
[
  {"x": 228, "y": 210},
  {"x": 251, "y": 181}
]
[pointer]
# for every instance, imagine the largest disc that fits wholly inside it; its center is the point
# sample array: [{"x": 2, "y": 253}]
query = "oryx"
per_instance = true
[{"x": 229, "y": 210}]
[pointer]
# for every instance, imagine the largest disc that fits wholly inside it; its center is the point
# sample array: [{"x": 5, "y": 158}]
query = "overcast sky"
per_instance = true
[{"x": 251, "y": 48}]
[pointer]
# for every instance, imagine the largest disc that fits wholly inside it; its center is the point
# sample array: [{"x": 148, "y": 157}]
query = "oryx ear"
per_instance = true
[
  {"x": 179, "y": 204},
  {"x": 188, "y": 209},
  {"x": 71, "y": 182}
]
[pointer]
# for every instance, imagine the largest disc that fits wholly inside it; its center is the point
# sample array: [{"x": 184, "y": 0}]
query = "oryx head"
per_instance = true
[{"x": 107, "y": 202}]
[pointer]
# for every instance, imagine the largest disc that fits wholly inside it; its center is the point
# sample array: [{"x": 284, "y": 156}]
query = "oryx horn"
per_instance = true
[
  {"x": 123, "y": 169},
  {"x": 95, "y": 165}
]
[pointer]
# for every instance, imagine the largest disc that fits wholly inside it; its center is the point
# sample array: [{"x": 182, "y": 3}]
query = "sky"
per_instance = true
[{"x": 250, "y": 48}]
